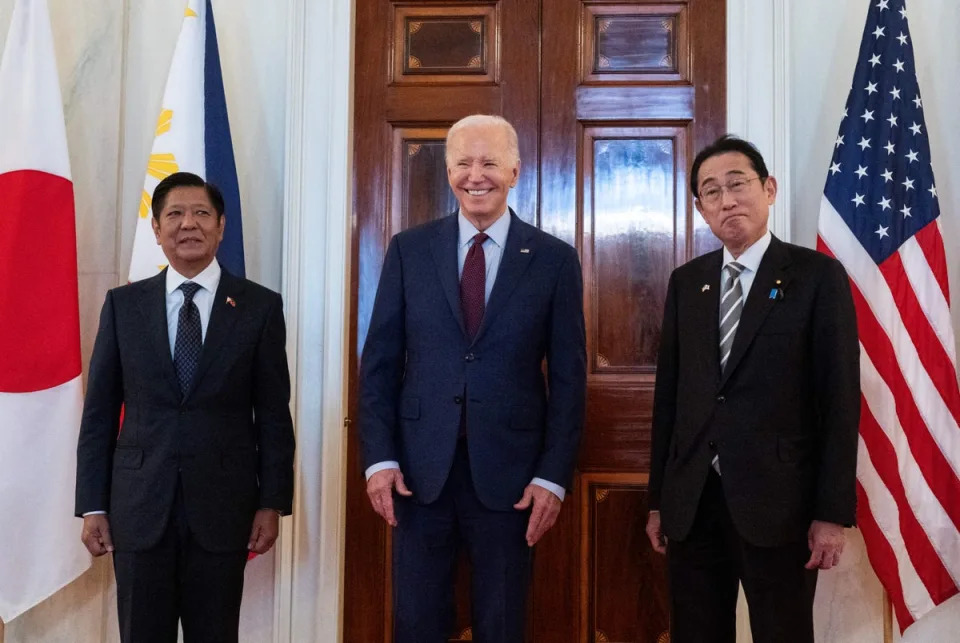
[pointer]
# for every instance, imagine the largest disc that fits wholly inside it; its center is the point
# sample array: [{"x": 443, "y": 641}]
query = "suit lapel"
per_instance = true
[
  {"x": 223, "y": 316},
  {"x": 517, "y": 253},
  {"x": 153, "y": 307},
  {"x": 706, "y": 305},
  {"x": 759, "y": 303},
  {"x": 444, "y": 250}
]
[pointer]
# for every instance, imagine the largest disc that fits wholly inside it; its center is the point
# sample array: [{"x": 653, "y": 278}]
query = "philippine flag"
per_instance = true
[
  {"x": 40, "y": 385},
  {"x": 192, "y": 135}
]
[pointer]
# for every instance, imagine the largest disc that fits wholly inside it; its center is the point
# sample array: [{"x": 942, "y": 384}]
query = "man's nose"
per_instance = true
[
  {"x": 727, "y": 197},
  {"x": 188, "y": 220},
  {"x": 476, "y": 172}
]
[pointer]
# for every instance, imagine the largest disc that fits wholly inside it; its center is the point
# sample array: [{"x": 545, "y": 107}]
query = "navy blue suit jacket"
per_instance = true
[{"x": 418, "y": 366}]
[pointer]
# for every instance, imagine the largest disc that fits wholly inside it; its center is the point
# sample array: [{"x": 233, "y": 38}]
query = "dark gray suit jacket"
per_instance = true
[
  {"x": 417, "y": 362},
  {"x": 229, "y": 442},
  {"x": 783, "y": 416}
]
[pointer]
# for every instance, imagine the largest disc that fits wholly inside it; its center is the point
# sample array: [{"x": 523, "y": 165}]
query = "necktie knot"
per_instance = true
[
  {"x": 733, "y": 269},
  {"x": 480, "y": 237},
  {"x": 189, "y": 290}
]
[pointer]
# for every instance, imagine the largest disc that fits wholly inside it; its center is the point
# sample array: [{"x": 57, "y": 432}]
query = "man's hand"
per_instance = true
[
  {"x": 96, "y": 534},
  {"x": 825, "y": 540},
  {"x": 546, "y": 507},
  {"x": 380, "y": 488},
  {"x": 657, "y": 540},
  {"x": 266, "y": 528}
]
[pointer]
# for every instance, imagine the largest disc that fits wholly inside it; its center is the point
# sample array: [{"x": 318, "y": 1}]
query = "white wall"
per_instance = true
[{"x": 113, "y": 57}]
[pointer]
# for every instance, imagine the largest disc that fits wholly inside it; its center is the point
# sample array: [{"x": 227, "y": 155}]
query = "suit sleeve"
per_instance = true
[
  {"x": 664, "y": 395},
  {"x": 271, "y": 409},
  {"x": 382, "y": 363},
  {"x": 567, "y": 376},
  {"x": 101, "y": 417},
  {"x": 836, "y": 354}
]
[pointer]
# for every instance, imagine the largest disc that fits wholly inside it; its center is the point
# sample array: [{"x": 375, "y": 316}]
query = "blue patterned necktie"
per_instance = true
[{"x": 186, "y": 349}]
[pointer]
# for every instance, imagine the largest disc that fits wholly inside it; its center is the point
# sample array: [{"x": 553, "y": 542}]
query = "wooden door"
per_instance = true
[{"x": 610, "y": 101}]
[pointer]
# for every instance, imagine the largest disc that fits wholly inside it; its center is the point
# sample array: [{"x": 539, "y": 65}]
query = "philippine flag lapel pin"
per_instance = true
[{"x": 231, "y": 302}]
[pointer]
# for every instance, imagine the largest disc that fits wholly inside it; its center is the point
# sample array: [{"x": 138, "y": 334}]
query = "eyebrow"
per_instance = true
[{"x": 716, "y": 180}]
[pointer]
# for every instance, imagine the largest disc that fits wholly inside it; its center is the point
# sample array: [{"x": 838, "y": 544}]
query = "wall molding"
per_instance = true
[
  {"x": 758, "y": 91},
  {"x": 309, "y": 574}
]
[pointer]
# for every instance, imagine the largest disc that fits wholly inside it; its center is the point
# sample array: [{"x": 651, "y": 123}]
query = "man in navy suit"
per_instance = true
[
  {"x": 203, "y": 467},
  {"x": 463, "y": 444},
  {"x": 756, "y": 407}
]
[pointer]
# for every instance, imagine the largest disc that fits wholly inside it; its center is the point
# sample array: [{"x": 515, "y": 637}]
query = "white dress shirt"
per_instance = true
[
  {"x": 750, "y": 260},
  {"x": 492, "y": 253},
  {"x": 208, "y": 280}
]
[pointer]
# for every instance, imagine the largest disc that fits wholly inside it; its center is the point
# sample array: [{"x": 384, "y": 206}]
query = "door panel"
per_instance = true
[{"x": 610, "y": 101}]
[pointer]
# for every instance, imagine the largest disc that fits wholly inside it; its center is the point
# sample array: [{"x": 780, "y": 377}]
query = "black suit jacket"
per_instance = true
[
  {"x": 229, "y": 441},
  {"x": 783, "y": 416},
  {"x": 417, "y": 362}
]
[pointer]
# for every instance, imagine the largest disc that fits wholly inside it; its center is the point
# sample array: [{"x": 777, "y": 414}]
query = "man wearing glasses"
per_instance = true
[{"x": 756, "y": 408}]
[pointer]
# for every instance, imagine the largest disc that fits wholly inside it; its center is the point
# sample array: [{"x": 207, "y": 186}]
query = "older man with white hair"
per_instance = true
[{"x": 463, "y": 444}]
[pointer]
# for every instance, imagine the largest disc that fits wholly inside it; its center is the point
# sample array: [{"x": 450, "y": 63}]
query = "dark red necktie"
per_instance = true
[{"x": 473, "y": 283}]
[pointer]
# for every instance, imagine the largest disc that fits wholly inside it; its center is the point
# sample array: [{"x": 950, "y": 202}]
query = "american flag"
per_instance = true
[{"x": 880, "y": 217}]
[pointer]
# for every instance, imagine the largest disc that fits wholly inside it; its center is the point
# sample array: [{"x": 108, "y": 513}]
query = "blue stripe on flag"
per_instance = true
[{"x": 221, "y": 168}]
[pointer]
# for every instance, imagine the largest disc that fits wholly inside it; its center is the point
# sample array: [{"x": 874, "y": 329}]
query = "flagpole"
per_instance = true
[
  {"x": 887, "y": 619},
  {"x": 1, "y": 630}
]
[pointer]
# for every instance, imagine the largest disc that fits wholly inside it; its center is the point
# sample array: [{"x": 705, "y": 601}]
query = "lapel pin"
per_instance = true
[
  {"x": 705, "y": 288},
  {"x": 231, "y": 302},
  {"x": 776, "y": 293},
  {"x": 524, "y": 251}
]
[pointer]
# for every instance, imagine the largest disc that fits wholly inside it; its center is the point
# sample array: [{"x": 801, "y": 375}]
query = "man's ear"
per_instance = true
[
  {"x": 156, "y": 228},
  {"x": 770, "y": 187}
]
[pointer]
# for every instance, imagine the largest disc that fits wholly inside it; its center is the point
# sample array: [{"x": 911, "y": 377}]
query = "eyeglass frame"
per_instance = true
[{"x": 733, "y": 186}]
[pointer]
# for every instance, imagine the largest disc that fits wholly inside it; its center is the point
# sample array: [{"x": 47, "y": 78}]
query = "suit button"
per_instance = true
[
  {"x": 470, "y": 357},
  {"x": 457, "y": 399},
  {"x": 721, "y": 399},
  {"x": 712, "y": 444}
]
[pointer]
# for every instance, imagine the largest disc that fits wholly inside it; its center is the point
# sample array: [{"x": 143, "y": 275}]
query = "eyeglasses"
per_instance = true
[{"x": 713, "y": 194}]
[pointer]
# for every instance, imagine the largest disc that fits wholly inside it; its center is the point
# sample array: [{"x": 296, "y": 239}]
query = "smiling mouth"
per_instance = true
[{"x": 478, "y": 192}]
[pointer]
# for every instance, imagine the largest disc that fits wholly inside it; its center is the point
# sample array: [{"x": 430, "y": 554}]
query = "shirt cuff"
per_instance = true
[
  {"x": 94, "y": 513},
  {"x": 381, "y": 466},
  {"x": 555, "y": 489}
]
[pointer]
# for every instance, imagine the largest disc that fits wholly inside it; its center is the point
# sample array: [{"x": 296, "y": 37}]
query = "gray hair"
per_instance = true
[{"x": 482, "y": 120}]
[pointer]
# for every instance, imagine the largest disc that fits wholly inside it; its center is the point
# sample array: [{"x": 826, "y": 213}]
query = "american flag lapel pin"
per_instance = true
[
  {"x": 231, "y": 302},
  {"x": 705, "y": 288}
]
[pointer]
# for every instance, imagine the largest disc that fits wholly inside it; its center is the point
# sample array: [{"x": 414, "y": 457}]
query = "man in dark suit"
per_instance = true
[
  {"x": 203, "y": 466},
  {"x": 755, "y": 417},
  {"x": 455, "y": 417}
]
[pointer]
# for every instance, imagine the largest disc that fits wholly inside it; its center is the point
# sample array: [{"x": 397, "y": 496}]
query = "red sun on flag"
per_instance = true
[{"x": 38, "y": 282}]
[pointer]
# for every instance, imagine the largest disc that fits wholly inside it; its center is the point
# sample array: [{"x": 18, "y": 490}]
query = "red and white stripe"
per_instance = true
[{"x": 908, "y": 468}]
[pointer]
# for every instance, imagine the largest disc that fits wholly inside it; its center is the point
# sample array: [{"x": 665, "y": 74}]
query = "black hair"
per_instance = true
[
  {"x": 724, "y": 144},
  {"x": 185, "y": 180}
]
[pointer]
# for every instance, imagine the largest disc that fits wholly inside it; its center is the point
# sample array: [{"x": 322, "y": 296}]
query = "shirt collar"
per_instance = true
[
  {"x": 208, "y": 279},
  {"x": 752, "y": 256},
  {"x": 497, "y": 232}
]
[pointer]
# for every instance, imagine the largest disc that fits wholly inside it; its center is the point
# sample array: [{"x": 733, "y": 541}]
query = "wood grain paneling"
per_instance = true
[
  {"x": 624, "y": 581},
  {"x": 635, "y": 43},
  {"x": 448, "y": 44}
]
